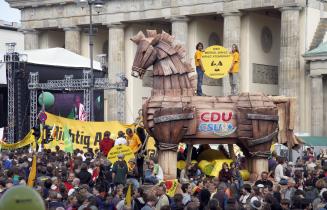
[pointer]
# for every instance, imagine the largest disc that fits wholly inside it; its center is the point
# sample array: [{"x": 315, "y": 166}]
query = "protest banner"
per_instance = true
[
  {"x": 83, "y": 134},
  {"x": 120, "y": 149}
]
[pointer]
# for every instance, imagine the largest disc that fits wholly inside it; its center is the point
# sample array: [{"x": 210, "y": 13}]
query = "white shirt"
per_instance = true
[
  {"x": 279, "y": 173},
  {"x": 120, "y": 141}
]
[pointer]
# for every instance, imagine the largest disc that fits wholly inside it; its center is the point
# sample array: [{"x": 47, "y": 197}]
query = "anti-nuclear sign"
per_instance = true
[
  {"x": 120, "y": 149},
  {"x": 216, "y": 61}
]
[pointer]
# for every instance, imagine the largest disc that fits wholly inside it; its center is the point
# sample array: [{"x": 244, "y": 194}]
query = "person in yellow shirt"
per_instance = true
[
  {"x": 234, "y": 69},
  {"x": 133, "y": 140},
  {"x": 199, "y": 67}
]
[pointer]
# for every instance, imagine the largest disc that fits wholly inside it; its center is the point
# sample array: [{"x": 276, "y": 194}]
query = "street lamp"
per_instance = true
[{"x": 97, "y": 4}]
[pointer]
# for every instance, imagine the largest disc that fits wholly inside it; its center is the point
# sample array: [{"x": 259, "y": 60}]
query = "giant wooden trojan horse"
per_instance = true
[{"x": 173, "y": 113}]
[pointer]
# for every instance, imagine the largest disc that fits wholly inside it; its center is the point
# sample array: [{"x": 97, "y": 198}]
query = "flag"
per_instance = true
[
  {"x": 128, "y": 199},
  {"x": 68, "y": 144},
  {"x": 171, "y": 186},
  {"x": 53, "y": 135},
  {"x": 39, "y": 141},
  {"x": 54, "y": 132},
  {"x": 32, "y": 174}
]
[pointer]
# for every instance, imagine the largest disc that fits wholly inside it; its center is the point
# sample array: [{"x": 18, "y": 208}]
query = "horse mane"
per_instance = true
[{"x": 165, "y": 41}]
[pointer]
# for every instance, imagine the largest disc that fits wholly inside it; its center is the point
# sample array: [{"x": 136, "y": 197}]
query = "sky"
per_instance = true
[{"x": 7, "y": 13}]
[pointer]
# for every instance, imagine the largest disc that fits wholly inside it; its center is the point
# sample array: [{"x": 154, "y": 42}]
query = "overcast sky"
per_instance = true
[{"x": 7, "y": 13}]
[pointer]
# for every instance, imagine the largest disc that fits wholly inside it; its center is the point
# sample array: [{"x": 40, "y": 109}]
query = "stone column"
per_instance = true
[
  {"x": 116, "y": 67},
  {"x": 232, "y": 35},
  {"x": 179, "y": 27},
  {"x": 31, "y": 39},
  {"x": 73, "y": 39},
  {"x": 317, "y": 106},
  {"x": 289, "y": 67}
]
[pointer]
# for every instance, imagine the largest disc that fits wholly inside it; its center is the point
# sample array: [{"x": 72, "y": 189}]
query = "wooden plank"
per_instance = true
[
  {"x": 244, "y": 121},
  {"x": 186, "y": 80},
  {"x": 167, "y": 83},
  {"x": 150, "y": 60},
  {"x": 172, "y": 99},
  {"x": 151, "y": 110},
  {"x": 176, "y": 92},
  {"x": 171, "y": 104},
  {"x": 166, "y": 47},
  {"x": 155, "y": 104},
  {"x": 281, "y": 123},
  {"x": 171, "y": 65},
  {"x": 157, "y": 98},
  {"x": 178, "y": 64},
  {"x": 292, "y": 113},
  {"x": 175, "y": 81},
  {"x": 182, "y": 81},
  {"x": 161, "y": 54},
  {"x": 255, "y": 129},
  {"x": 262, "y": 117},
  {"x": 147, "y": 55},
  {"x": 181, "y": 51},
  {"x": 243, "y": 127},
  {"x": 224, "y": 99},
  {"x": 247, "y": 134},
  {"x": 166, "y": 68},
  {"x": 256, "y": 103}
]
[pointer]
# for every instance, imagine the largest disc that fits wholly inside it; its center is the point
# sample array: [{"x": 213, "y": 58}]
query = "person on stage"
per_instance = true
[
  {"x": 234, "y": 69},
  {"x": 78, "y": 111},
  {"x": 199, "y": 67}
]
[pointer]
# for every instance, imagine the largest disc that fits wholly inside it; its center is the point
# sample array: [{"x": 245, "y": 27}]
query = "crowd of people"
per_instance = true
[{"x": 88, "y": 180}]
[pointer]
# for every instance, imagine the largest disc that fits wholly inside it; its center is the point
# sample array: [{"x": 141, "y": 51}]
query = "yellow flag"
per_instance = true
[
  {"x": 128, "y": 199},
  {"x": 171, "y": 186},
  {"x": 32, "y": 174}
]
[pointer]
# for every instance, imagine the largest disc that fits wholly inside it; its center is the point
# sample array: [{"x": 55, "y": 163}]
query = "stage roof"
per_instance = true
[
  {"x": 314, "y": 140},
  {"x": 53, "y": 57}
]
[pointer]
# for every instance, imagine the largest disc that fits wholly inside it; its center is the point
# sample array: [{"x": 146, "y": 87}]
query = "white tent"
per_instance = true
[{"x": 53, "y": 57}]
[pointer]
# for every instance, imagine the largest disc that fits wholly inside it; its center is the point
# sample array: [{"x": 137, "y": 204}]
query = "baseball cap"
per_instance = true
[{"x": 120, "y": 156}]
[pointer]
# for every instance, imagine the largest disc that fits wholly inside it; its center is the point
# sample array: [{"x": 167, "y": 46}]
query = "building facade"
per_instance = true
[{"x": 272, "y": 36}]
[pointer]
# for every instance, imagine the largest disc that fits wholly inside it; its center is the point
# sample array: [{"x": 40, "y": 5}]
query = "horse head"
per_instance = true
[{"x": 146, "y": 53}]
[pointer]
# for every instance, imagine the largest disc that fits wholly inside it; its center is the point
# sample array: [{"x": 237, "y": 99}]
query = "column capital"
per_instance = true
[
  {"x": 288, "y": 8},
  {"x": 179, "y": 19},
  {"x": 316, "y": 76},
  {"x": 227, "y": 14},
  {"x": 116, "y": 25},
  {"x": 29, "y": 31},
  {"x": 72, "y": 28}
]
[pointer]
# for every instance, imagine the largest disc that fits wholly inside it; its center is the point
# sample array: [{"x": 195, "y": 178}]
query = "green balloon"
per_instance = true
[
  {"x": 47, "y": 99},
  {"x": 21, "y": 197}
]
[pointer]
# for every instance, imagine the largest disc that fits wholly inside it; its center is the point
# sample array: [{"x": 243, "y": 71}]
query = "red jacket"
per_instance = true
[{"x": 105, "y": 145}]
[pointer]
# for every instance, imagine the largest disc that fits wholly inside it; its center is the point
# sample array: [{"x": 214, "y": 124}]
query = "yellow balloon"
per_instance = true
[{"x": 216, "y": 61}]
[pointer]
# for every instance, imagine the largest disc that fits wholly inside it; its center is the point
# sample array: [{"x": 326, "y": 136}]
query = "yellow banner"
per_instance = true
[
  {"x": 120, "y": 149},
  {"x": 28, "y": 139},
  {"x": 84, "y": 134},
  {"x": 216, "y": 61}
]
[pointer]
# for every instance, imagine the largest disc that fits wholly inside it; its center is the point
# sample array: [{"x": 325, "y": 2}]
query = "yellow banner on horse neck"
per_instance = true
[{"x": 83, "y": 134}]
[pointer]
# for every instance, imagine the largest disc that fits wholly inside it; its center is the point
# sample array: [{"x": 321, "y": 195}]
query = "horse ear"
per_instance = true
[
  {"x": 151, "y": 33},
  {"x": 138, "y": 37},
  {"x": 166, "y": 37}
]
